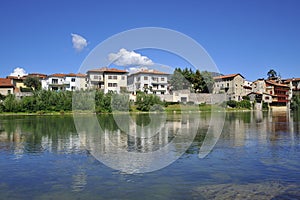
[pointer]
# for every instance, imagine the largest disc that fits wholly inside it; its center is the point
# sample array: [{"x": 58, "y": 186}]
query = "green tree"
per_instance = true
[
  {"x": 146, "y": 102},
  {"x": 208, "y": 82},
  {"x": 177, "y": 80},
  {"x": 120, "y": 102},
  {"x": 197, "y": 81},
  {"x": 33, "y": 82},
  {"x": 11, "y": 104},
  {"x": 295, "y": 105},
  {"x": 272, "y": 74}
]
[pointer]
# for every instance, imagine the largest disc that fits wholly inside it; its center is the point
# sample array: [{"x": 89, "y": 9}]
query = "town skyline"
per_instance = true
[{"x": 241, "y": 37}]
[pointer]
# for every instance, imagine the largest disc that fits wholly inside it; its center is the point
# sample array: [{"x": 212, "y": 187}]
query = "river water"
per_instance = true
[{"x": 256, "y": 156}]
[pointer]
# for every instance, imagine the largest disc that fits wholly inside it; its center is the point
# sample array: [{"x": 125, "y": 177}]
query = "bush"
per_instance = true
[
  {"x": 231, "y": 103},
  {"x": 265, "y": 106},
  {"x": 244, "y": 104},
  {"x": 157, "y": 107},
  {"x": 246, "y": 98},
  {"x": 190, "y": 103},
  {"x": 120, "y": 102},
  {"x": 295, "y": 105},
  {"x": 145, "y": 101}
]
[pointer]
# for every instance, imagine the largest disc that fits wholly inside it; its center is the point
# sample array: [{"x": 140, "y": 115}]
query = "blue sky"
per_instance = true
[{"x": 245, "y": 36}]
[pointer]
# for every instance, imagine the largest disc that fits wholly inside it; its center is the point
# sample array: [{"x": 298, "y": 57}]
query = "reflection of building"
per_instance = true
[
  {"x": 148, "y": 80},
  {"x": 232, "y": 85},
  {"x": 107, "y": 79}
]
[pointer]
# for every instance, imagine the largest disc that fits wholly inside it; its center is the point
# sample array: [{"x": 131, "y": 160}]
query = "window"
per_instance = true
[
  {"x": 95, "y": 77},
  {"x": 73, "y": 80},
  {"x": 162, "y": 92},
  {"x": 227, "y": 84},
  {"x": 8, "y": 91},
  {"x": 112, "y": 84},
  {"x": 73, "y": 88},
  {"x": 162, "y": 86},
  {"x": 138, "y": 79},
  {"x": 123, "y": 78},
  {"x": 115, "y": 77},
  {"x": 162, "y": 79},
  {"x": 145, "y": 78},
  {"x": 54, "y": 81}
]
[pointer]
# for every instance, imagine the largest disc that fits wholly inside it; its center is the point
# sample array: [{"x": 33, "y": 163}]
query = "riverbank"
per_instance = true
[{"x": 175, "y": 108}]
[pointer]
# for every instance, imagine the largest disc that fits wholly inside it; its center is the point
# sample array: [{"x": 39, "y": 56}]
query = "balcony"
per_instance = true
[{"x": 64, "y": 83}]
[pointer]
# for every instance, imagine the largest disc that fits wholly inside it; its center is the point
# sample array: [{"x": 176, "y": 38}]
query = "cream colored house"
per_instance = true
[
  {"x": 107, "y": 79},
  {"x": 232, "y": 85}
]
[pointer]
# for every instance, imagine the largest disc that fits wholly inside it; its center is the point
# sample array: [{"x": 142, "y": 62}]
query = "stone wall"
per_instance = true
[{"x": 197, "y": 98}]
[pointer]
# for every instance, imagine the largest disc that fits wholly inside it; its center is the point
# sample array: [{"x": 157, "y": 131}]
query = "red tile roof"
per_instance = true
[
  {"x": 276, "y": 84},
  {"x": 291, "y": 79},
  {"x": 16, "y": 77},
  {"x": 150, "y": 71},
  {"x": 5, "y": 82},
  {"x": 227, "y": 76},
  {"x": 57, "y": 75},
  {"x": 106, "y": 69}
]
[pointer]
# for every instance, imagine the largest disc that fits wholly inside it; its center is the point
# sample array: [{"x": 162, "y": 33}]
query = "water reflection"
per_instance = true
[
  {"x": 35, "y": 134},
  {"x": 46, "y": 153},
  {"x": 137, "y": 148}
]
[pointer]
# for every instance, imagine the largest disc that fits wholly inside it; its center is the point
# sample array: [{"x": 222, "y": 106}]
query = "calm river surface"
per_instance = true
[{"x": 256, "y": 157}]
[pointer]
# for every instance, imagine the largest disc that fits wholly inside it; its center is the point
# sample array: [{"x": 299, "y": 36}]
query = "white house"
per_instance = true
[
  {"x": 107, "y": 79},
  {"x": 148, "y": 80},
  {"x": 68, "y": 82}
]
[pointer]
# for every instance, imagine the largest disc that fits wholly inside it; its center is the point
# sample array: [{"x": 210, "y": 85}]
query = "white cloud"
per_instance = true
[
  {"x": 129, "y": 58},
  {"x": 79, "y": 42},
  {"x": 18, "y": 72}
]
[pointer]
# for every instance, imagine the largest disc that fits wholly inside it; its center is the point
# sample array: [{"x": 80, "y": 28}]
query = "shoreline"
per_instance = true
[{"x": 68, "y": 113}]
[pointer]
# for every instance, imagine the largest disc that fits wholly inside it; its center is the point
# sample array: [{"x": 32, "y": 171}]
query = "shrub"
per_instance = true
[
  {"x": 244, "y": 104},
  {"x": 231, "y": 103},
  {"x": 145, "y": 101}
]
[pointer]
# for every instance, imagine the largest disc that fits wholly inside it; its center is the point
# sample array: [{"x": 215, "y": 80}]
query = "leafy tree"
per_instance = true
[
  {"x": 33, "y": 82},
  {"x": 208, "y": 82},
  {"x": 11, "y": 104},
  {"x": 177, "y": 80},
  {"x": 120, "y": 102},
  {"x": 146, "y": 102},
  {"x": 197, "y": 81},
  {"x": 295, "y": 105},
  {"x": 272, "y": 74}
]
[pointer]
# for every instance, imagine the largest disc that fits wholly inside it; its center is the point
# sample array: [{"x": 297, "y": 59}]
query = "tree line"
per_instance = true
[
  {"x": 192, "y": 80},
  {"x": 61, "y": 101}
]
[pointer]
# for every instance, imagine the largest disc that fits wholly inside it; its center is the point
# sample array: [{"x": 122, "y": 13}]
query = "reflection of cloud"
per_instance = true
[
  {"x": 18, "y": 72},
  {"x": 129, "y": 58},
  {"x": 79, "y": 42}
]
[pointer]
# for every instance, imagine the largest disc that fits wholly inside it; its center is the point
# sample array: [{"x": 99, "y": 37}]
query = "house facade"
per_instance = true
[
  {"x": 281, "y": 95},
  {"x": 232, "y": 85},
  {"x": 107, "y": 79},
  {"x": 295, "y": 84},
  {"x": 149, "y": 81},
  {"x": 69, "y": 82},
  {"x": 6, "y": 86},
  {"x": 273, "y": 92}
]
